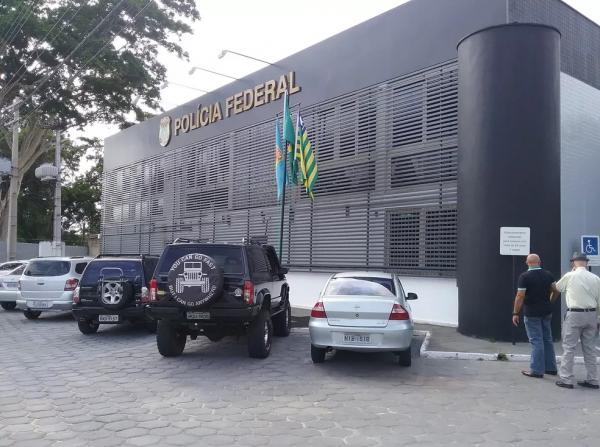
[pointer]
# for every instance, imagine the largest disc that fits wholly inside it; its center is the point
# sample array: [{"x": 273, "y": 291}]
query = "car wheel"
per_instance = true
[
  {"x": 404, "y": 357},
  {"x": 317, "y": 354},
  {"x": 282, "y": 322},
  {"x": 260, "y": 336},
  {"x": 9, "y": 305},
  {"x": 88, "y": 327},
  {"x": 32, "y": 314},
  {"x": 169, "y": 339}
]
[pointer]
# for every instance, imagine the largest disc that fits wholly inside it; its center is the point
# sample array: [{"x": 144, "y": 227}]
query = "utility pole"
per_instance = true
[
  {"x": 57, "y": 193},
  {"x": 11, "y": 242}
]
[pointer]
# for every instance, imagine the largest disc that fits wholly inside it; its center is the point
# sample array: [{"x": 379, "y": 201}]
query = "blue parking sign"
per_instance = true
[{"x": 589, "y": 245}]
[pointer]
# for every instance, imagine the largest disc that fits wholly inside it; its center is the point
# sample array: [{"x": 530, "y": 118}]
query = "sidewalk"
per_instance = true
[{"x": 446, "y": 342}]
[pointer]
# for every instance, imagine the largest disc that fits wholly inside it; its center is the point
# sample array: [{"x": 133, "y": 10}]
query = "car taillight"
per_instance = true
[
  {"x": 399, "y": 313},
  {"x": 153, "y": 289},
  {"x": 76, "y": 299},
  {"x": 318, "y": 311},
  {"x": 248, "y": 292},
  {"x": 71, "y": 284}
]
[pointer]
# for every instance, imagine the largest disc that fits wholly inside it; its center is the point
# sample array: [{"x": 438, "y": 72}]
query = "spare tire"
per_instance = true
[
  {"x": 115, "y": 294},
  {"x": 195, "y": 280}
]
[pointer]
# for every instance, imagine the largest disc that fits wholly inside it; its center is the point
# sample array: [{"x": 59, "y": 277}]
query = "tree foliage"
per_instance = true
[{"x": 82, "y": 61}]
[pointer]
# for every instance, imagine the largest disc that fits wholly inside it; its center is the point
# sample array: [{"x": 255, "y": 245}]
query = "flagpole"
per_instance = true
[{"x": 283, "y": 200}]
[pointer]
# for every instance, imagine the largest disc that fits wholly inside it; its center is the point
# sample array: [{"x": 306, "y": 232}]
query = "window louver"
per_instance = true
[{"x": 386, "y": 196}]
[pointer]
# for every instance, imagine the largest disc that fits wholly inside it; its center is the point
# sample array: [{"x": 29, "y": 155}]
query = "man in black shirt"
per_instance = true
[{"x": 535, "y": 292}]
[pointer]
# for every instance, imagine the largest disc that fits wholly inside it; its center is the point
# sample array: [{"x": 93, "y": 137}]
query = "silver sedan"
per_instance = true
[{"x": 362, "y": 311}]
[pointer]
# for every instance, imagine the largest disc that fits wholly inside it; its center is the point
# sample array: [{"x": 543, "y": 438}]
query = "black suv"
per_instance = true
[
  {"x": 216, "y": 290},
  {"x": 112, "y": 290}
]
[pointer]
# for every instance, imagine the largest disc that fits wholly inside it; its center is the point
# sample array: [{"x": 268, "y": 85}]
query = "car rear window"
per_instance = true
[
  {"x": 47, "y": 268},
  {"x": 18, "y": 270},
  {"x": 228, "y": 258},
  {"x": 361, "y": 286},
  {"x": 130, "y": 269},
  {"x": 9, "y": 266}
]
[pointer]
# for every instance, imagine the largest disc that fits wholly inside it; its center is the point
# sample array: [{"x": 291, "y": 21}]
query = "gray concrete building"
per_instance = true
[{"x": 434, "y": 125}]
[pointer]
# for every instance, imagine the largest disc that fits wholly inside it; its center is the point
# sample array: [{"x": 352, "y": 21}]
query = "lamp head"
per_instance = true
[
  {"x": 222, "y": 54},
  {"x": 192, "y": 70}
]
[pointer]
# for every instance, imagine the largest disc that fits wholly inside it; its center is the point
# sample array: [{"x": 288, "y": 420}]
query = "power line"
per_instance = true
[
  {"x": 38, "y": 50},
  {"x": 46, "y": 78},
  {"x": 20, "y": 11},
  {"x": 87, "y": 62},
  {"x": 18, "y": 26}
]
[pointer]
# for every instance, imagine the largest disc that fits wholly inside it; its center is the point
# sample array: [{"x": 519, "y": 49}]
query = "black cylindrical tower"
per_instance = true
[{"x": 509, "y": 167}]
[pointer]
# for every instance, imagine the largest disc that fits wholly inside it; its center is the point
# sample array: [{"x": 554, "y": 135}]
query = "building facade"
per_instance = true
[{"x": 381, "y": 105}]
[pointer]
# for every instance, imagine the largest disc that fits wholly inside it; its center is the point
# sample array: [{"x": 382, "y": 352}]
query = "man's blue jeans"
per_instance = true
[{"x": 539, "y": 331}]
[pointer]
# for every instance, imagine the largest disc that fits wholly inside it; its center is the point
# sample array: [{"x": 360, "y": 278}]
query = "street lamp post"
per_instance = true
[
  {"x": 193, "y": 69},
  {"x": 223, "y": 53}
]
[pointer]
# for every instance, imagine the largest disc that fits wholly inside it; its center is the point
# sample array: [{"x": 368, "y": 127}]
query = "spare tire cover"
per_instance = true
[{"x": 195, "y": 280}]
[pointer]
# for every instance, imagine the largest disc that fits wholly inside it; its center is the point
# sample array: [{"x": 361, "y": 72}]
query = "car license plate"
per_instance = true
[
  {"x": 359, "y": 339},
  {"x": 108, "y": 318},
  {"x": 39, "y": 304},
  {"x": 198, "y": 315}
]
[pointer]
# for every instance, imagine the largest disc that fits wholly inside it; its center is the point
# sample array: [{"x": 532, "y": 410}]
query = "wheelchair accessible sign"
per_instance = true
[{"x": 589, "y": 246}]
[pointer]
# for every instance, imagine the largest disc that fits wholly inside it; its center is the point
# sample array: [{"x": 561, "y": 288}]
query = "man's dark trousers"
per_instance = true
[{"x": 539, "y": 332}]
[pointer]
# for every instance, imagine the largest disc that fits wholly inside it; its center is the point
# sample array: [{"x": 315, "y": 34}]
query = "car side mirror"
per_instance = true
[
  {"x": 411, "y": 296},
  {"x": 283, "y": 270}
]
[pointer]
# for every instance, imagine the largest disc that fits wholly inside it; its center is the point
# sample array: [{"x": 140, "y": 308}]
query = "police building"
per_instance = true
[{"x": 435, "y": 125}]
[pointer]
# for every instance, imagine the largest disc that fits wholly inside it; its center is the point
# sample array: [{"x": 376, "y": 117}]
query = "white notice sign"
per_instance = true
[{"x": 515, "y": 241}]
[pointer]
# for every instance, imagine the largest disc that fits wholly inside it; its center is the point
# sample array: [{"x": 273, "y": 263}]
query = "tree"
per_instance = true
[
  {"x": 81, "y": 198},
  {"x": 80, "y": 62},
  {"x": 80, "y": 195}
]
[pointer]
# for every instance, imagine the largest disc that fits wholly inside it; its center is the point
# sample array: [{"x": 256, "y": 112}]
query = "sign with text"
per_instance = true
[{"x": 515, "y": 241}]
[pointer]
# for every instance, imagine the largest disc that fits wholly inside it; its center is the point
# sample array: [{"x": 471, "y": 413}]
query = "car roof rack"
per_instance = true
[
  {"x": 185, "y": 240},
  {"x": 116, "y": 255},
  {"x": 255, "y": 240}
]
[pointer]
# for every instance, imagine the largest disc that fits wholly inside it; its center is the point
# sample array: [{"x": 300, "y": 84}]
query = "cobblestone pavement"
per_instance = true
[{"x": 61, "y": 388}]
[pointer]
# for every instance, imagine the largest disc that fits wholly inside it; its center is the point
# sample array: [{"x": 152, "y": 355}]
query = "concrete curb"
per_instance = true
[
  {"x": 424, "y": 353},
  {"x": 455, "y": 355}
]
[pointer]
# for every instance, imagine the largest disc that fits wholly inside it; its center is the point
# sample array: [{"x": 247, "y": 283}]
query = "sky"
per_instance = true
[{"x": 256, "y": 28}]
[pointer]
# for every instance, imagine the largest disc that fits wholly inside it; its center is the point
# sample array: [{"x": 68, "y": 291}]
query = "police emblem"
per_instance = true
[{"x": 164, "y": 134}]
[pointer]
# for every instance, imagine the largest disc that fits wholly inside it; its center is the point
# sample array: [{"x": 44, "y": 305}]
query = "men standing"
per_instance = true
[
  {"x": 582, "y": 289},
  {"x": 535, "y": 292}
]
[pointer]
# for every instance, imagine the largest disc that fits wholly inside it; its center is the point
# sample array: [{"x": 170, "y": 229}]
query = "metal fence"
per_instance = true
[
  {"x": 385, "y": 199},
  {"x": 27, "y": 250}
]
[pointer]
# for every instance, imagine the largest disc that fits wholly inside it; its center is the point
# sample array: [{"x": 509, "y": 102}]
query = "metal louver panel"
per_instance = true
[{"x": 385, "y": 199}]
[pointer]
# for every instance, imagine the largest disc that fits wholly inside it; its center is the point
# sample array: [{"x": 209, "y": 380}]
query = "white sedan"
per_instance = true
[{"x": 362, "y": 311}]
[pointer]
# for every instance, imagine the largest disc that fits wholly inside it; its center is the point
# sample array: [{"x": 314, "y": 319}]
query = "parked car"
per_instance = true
[
  {"x": 7, "y": 267},
  {"x": 9, "y": 287},
  {"x": 215, "y": 290},
  {"x": 111, "y": 291},
  {"x": 47, "y": 284},
  {"x": 362, "y": 311}
]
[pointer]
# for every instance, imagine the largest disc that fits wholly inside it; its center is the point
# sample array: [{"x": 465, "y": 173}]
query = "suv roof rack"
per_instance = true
[
  {"x": 184, "y": 240},
  {"x": 255, "y": 240},
  {"x": 119, "y": 255}
]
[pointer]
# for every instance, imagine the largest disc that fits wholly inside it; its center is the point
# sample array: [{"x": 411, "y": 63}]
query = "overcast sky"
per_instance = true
[{"x": 258, "y": 28}]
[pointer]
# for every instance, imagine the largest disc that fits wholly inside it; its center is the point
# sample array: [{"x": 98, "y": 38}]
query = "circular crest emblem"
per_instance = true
[
  {"x": 164, "y": 133},
  {"x": 195, "y": 280}
]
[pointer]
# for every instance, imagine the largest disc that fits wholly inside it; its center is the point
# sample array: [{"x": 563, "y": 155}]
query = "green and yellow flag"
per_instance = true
[{"x": 305, "y": 158}]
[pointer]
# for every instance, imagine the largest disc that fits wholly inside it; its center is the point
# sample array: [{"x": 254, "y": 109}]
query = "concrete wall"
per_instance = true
[
  {"x": 580, "y": 165},
  {"x": 27, "y": 251},
  {"x": 437, "y": 303}
]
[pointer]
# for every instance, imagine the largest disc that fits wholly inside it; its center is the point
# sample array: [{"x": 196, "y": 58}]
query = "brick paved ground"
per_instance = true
[{"x": 61, "y": 388}]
